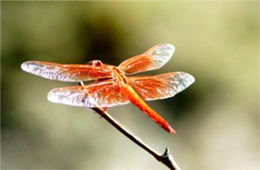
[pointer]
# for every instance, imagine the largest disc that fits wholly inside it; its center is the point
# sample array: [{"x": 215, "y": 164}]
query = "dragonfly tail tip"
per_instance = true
[{"x": 172, "y": 131}]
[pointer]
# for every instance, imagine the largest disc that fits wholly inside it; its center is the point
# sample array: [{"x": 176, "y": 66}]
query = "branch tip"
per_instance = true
[{"x": 166, "y": 152}]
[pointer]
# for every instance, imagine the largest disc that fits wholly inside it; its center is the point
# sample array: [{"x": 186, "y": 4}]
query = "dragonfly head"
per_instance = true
[{"x": 95, "y": 63}]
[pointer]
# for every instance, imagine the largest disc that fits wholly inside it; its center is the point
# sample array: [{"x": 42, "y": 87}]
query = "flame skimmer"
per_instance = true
[{"x": 112, "y": 86}]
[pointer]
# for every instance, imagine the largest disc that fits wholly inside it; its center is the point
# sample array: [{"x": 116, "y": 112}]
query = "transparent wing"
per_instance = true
[
  {"x": 161, "y": 86},
  {"x": 67, "y": 72},
  {"x": 152, "y": 59},
  {"x": 104, "y": 93}
]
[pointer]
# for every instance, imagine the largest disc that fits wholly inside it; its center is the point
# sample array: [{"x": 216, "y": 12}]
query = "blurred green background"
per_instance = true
[{"x": 216, "y": 119}]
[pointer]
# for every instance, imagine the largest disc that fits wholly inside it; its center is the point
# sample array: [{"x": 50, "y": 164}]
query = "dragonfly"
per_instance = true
[{"x": 112, "y": 86}]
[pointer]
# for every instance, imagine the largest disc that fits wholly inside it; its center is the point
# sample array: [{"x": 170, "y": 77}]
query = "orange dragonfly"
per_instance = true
[{"x": 112, "y": 87}]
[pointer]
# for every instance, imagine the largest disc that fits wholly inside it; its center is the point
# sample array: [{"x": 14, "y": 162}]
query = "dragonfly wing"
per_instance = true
[
  {"x": 67, "y": 72},
  {"x": 152, "y": 59},
  {"x": 103, "y": 93},
  {"x": 161, "y": 86}
]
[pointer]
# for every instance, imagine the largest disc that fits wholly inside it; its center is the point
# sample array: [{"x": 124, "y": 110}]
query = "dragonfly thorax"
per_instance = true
[
  {"x": 95, "y": 63},
  {"x": 119, "y": 75}
]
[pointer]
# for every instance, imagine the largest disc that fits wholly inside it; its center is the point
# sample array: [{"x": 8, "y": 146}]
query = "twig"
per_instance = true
[{"x": 166, "y": 158}]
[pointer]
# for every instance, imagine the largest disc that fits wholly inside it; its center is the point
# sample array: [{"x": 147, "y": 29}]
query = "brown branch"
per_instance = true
[{"x": 166, "y": 158}]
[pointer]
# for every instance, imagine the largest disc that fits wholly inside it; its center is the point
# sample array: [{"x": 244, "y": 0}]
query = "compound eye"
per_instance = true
[
  {"x": 95, "y": 63},
  {"x": 98, "y": 63}
]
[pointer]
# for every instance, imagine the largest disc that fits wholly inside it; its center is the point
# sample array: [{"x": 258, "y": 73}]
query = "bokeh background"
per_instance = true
[{"x": 216, "y": 119}]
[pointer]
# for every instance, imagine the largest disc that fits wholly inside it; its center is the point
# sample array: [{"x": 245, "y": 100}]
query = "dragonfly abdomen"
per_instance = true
[{"x": 137, "y": 100}]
